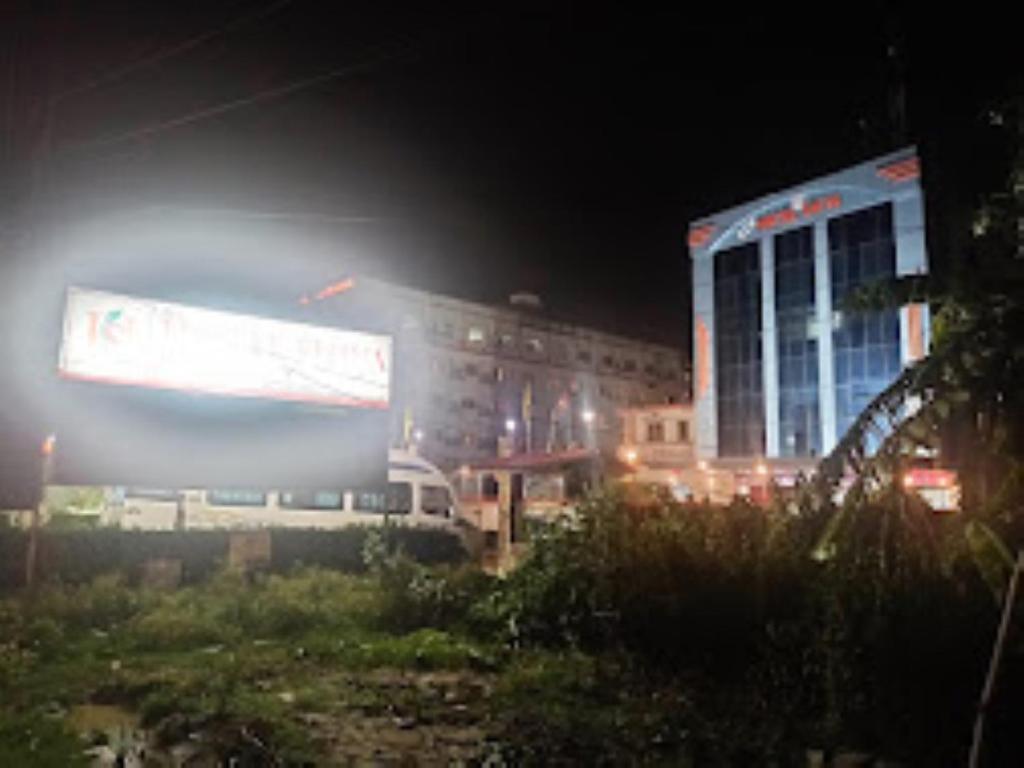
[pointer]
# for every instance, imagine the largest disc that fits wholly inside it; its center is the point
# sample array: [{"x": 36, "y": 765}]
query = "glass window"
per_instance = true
[
  {"x": 655, "y": 432},
  {"x": 436, "y": 500},
  {"x": 399, "y": 498},
  {"x": 738, "y": 374},
  {"x": 799, "y": 415},
  {"x": 154, "y": 494},
  {"x": 475, "y": 335},
  {"x": 684, "y": 431},
  {"x": 866, "y": 345},
  {"x": 548, "y": 487},
  {"x": 234, "y": 497},
  {"x": 312, "y": 499},
  {"x": 370, "y": 501}
]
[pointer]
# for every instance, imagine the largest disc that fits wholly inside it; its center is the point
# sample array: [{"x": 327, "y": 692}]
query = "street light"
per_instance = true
[
  {"x": 418, "y": 435},
  {"x": 510, "y": 425},
  {"x": 588, "y": 417}
]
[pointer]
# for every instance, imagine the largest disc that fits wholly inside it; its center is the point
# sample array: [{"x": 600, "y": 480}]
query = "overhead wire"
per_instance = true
[
  {"x": 165, "y": 54},
  {"x": 245, "y": 101}
]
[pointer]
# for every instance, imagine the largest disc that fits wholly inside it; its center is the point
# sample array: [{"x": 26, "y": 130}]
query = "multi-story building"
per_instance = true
[
  {"x": 782, "y": 365},
  {"x": 471, "y": 379}
]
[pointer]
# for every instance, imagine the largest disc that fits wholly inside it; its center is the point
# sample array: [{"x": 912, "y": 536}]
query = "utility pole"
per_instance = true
[
  {"x": 993, "y": 668},
  {"x": 47, "y": 451}
]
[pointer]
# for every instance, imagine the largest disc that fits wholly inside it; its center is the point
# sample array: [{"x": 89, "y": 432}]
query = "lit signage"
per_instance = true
[
  {"x": 907, "y": 169},
  {"x": 700, "y": 235},
  {"x": 116, "y": 339},
  {"x": 703, "y": 358},
  {"x": 799, "y": 209}
]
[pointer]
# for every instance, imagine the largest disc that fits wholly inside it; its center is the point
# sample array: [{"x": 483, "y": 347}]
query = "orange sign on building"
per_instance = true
[{"x": 703, "y": 358}]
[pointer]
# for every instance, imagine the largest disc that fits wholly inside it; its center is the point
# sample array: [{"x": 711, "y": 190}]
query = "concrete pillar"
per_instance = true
[
  {"x": 826, "y": 362},
  {"x": 705, "y": 411},
  {"x": 769, "y": 347}
]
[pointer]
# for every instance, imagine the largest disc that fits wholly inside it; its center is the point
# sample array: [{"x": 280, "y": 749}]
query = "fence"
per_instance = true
[{"x": 77, "y": 556}]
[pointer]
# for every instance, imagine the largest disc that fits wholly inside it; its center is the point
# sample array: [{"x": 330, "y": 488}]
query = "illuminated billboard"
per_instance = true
[{"x": 116, "y": 339}]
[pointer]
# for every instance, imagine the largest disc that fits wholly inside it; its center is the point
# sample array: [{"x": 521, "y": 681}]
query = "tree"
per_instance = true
[{"x": 966, "y": 398}]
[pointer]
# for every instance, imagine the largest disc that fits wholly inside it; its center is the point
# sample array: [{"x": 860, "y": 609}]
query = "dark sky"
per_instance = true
[{"x": 560, "y": 147}]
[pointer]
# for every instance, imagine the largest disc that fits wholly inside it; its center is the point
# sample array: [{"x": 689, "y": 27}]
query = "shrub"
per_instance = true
[
  {"x": 413, "y": 595},
  {"x": 855, "y": 647}
]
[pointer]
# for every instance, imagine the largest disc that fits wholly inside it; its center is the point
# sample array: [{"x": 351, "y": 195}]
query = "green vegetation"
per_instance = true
[{"x": 651, "y": 632}]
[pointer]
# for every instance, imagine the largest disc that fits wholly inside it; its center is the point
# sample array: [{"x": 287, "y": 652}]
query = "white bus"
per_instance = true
[{"x": 417, "y": 494}]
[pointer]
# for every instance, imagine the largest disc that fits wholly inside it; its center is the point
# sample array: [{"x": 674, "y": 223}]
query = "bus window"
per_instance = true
[
  {"x": 399, "y": 498},
  {"x": 153, "y": 494},
  {"x": 373, "y": 501},
  {"x": 312, "y": 499},
  {"x": 436, "y": 500},
  {"x": 236, "y": 498}
]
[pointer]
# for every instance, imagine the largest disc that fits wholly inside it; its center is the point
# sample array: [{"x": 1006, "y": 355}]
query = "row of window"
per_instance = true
[
  {"x": 557, "y": 350},
  {"x": 656, "y": 432},
  {"x": 396, "y": 499}
]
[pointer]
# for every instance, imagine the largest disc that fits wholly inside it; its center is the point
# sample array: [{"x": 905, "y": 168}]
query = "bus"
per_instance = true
[{"x": 417, "y": 494}]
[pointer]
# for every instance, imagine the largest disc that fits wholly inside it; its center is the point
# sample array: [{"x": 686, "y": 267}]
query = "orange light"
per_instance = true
[
  {"x": 908, "y": 480},
  {"x": 331, "y": 290},
  {"x": 761, "y": 469},
  {"x": 631, "y": 456},
  {"x": 49, "y": 445},
  {"x": 702, "y": 465},
  {"x": 335, "y": 288}
]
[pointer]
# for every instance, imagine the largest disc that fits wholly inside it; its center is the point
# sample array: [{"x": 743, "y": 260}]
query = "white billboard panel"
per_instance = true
[{"x": 116, "y": 339}]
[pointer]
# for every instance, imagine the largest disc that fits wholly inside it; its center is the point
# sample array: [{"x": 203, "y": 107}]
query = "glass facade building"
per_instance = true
[{"x": 784, "y": 366}]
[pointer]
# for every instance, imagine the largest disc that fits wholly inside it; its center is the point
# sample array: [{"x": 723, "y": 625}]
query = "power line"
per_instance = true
[
  {"x": 230, "y": 106},
  {"x": 169, "y": 53}
]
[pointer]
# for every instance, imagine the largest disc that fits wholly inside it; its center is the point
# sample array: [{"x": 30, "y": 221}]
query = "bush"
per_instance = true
[
  {"x": 788, "y": 651},
  {"x": 413, "y": 595}
]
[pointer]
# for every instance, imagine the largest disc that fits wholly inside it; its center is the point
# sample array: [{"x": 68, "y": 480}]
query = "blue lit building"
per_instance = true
[{"x": 780, "y": 370}]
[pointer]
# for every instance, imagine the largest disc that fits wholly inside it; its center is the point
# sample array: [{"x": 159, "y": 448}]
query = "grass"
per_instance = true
[{"x": 314, "y": 666}]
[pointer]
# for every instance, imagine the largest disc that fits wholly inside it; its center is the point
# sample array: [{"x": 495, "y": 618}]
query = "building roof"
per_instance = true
[{"x": 538, "y": 460}]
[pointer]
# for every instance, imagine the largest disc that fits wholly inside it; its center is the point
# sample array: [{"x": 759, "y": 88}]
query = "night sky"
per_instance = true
[{"x": 561, "y": 148}]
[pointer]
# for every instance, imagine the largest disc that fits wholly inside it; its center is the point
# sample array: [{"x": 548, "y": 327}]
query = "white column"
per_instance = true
[
  {"x": 769, "y": 347},
  {"x": 705, "y": 403},
  {"x": 826, "y": 367}
]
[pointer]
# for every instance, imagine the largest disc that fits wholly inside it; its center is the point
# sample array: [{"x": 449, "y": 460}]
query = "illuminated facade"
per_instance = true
[
  {"x": 471, "y": 379},
  {"x": 781, "y": 369}
]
